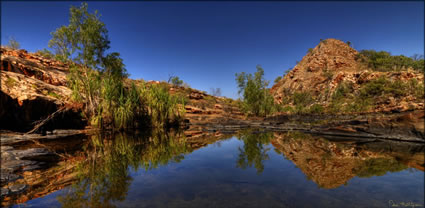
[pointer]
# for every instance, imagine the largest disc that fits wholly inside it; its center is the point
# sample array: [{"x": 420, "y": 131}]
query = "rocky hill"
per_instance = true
[
  {"x": 333, "y": 76},
  {"x": 34, "y": 87}
]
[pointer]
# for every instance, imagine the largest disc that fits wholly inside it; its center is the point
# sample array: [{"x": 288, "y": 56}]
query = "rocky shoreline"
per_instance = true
[{"x": 404, "y": 126}]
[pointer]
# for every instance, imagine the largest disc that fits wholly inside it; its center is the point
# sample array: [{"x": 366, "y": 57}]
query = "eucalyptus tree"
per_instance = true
[
  {"x": 95, "y": 78},
  {"x": 257, "y": 99}
]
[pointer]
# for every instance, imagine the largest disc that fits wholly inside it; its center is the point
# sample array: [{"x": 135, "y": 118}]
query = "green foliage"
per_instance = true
[
  {"x": 328, "y": 74},
  {"x": 13, "y": 44},
  {"x": 277, "y": 79},
  {"x": 359, "y": 105},
  {"x": 302, "y": 98},
  {"x": 379, "y": 167},
  {"x": 342, "y": 91},
  {"x": 84, "y": 40},
  {"x": 257, "y": 99},
  {"x": 128, "y": 106},
  {"x": 103, "y": 176},
  {"x": 301, "y": 101},
  {"x": 163, "y": 107},
  {"x": 45, "y": 53},
  {"x": 55, "y": 95},
  {"x": 175, "y": 80},
  {"x": 288, "y": 109},
  {"x": 416, "y": 88},
  {"x": 316, "y": 109},
  {"x": 348, "y": 43},
  {"x": 254, "y": 152},
  {"x": 96, "y": 79},
  {"x": 10, "y": 82},
  {"x": 381, "y": 86},
  {"x": 384, "y": 61},
  {"x": 310, "y": 50}
]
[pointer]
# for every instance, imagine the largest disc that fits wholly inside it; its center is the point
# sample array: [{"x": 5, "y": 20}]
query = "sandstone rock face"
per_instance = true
[
  {"x": 32, "y": 88},
  {"x": 34, "y": 66},
  {"x": 333, "y": 62},
  {"x": 204, "y": 109}
]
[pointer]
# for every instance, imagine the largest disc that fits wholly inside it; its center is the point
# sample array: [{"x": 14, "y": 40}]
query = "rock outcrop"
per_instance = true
[
  {"x": 32, "y": 88},
  {"x": 333, "y": 62}
]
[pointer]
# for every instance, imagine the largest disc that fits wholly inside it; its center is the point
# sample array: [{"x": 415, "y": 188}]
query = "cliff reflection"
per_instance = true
[{"x": 331, "y": 164}]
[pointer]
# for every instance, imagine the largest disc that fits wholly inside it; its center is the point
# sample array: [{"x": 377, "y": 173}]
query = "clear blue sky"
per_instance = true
[{"x": 206, "y": 43}]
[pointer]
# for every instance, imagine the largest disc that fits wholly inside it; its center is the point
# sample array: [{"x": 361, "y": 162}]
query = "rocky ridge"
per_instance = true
[{"x": 333, "y": 62}]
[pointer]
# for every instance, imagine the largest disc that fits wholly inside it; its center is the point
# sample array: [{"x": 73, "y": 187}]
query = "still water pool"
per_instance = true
[{"x": 248, "y": 169}]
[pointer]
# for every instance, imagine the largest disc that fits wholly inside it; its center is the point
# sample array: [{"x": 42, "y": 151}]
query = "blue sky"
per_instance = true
[{"x": 206, "y": 43}]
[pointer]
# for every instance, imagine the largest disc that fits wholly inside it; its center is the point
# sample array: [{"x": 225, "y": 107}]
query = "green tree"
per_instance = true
[
  {"x": 348, "y": 43},
  {"x": 175, "y": 80},
  {"x": 256, "y": 97},
  {"x": 277, "y": 79},
  {"x": 96, "y": 79},
  {"x": 13, "y": 44}
]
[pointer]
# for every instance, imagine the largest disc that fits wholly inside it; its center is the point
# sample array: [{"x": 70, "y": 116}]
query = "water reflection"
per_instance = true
[
  {"x": 331, "y": 164},
  {"x": 254, "y": 151},
  {"x": 103, "y": 174},
  {"x": 103, "y": 177}
]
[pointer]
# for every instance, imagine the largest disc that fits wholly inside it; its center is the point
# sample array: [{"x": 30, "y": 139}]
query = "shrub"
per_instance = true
[
  {"x": 416, "y": 88},
  {"x": 164, "y": 108},
  {"x": 381, "y": 86},
  {"x": 287, "y": 108},
  {"x": 348, "y": 43},
  {"x": 359, "y": 105},
  {"x": 45, "y": 53},
  {"x": 384, "y": 61},
  {"x": 316, "y": 109},
  {"x": 302, "y": 98},
  {"x": 374, "y": 88},
  {"x": 13, "y": 44},
  {"x": 175, "y": 80},
  {"x": 277, "y": 79},
  {"x": 257, "y": 99},
  {"x": 328, "y": 74},
  {"x": 342, "y": 91}
]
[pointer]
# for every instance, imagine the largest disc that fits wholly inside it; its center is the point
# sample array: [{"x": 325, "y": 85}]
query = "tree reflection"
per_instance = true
[
  {"x": 103, "y": 177},
  {"x": 253, "y": 152}
]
